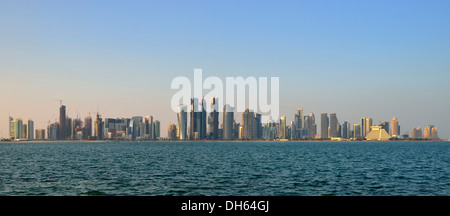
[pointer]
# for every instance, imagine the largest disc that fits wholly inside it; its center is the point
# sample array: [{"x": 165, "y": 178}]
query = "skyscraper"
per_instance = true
[
  {"x": 18, "y": 128},
  {"x": 313, "y": 128},
  {"x": 385, "y": 125},
  {"x": 394, "y": 128},
  {"x": 148, "y": 124},
  {"x": 172, "y": 132},
  {"x": 228, "y": 119},
  {"x": 30, "y": 132},
  {"x": 214, "y": 119},
  {"x": 333, "y": 125},
  {"x": 283, "y": 127},
  {"x": 298, "y": 124},
  {"x": 12, "y": 132},
  {"x": 182, "y": 122},
  {"x": 357, "y": 131},
  {"x": 324, "y": 124},
  {"x": 198, "y": 120},
  {"x": 88, "y": 127},
  {"x": 248, "y": 121},
  {"x": 62, "y": 122},
  {"x": 369, "y": 124},
  {"x": 40, "y": 134},
  {"x": 203, "y": 123},
  {"x": 99, "y": 127},
  {"x": 156, "y": 128},
  {"x": 416, "y": 133},
  {"x": 346, "y": 131}
]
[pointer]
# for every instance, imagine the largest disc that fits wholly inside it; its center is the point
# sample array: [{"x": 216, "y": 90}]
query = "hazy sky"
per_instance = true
[{"x": 375, "y": 59}]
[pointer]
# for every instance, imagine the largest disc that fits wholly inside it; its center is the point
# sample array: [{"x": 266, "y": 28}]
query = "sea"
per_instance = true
[{"x": 247, "y": 168}]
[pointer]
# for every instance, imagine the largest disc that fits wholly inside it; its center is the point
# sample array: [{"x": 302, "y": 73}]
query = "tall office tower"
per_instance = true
[
  {"x": 149, "y": 127},
  {"x": 12, "y": 132},
  {"x": 24, "y": 131},
  {"x": 357, "y": 131},
  {"x": 157, "y": 130},
  {"x": 172, "y": 132},
  {"x": 394, "y": 127},
  {"x": 40, "y": 134},
  {"x": 434, "y": 133},
  {"x": 203, "y": 123},
  {"x": 135, "y": 125},
  {"x": 87, "y": 127},
  {"x": 313, "y": 127},
  {"x": 182, "y": 122},
  {"x": 283, "y": 127},
  {"x": 196, "y": 119},
  {"x": 416, "y": 133},
  {"x": 346, "y": 131},
  {"x": 369, "y": 124},
  {"x": 362, "y": 124},
  {"x": 334, "y": 124},
  {"x": 18, "y": 128},
  {"x": 62, "y": 122},
  {"x": 228, "y": 120},
  {"x": 258, "y": 126},
  {"x": 248, "y": 121},
  {"x": 99, "y": 127},
  {"x": 214, "y": 117},
  {"x": 298, "y": 123},
  {"x": 293, "y": 130},
  {"x": 324, "y": 124},
  {"x": 52, "y": 131},
  {"x": 385, "y": 125}
]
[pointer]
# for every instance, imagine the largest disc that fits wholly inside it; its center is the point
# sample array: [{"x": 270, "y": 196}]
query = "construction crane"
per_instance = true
[{"x": 60, "y": 101}]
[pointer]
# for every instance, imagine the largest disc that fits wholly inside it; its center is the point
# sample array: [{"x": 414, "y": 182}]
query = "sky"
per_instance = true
[{"x": 377, "y": 59}]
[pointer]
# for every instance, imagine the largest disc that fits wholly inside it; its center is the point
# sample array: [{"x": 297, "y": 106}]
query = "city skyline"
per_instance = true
[
  {"x": 200, "y": 127},
  {"x": 358, "y": 59}
]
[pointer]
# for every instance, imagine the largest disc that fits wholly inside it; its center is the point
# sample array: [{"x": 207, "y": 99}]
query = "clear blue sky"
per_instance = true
[{"x": 376, "y": 59}]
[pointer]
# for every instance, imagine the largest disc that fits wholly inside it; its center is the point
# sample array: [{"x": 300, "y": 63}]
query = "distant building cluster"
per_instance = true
[
  {"x": 135, "y": 128},
  {"x": 202, "y": 126},
  {"x": 197, "y": 124}
]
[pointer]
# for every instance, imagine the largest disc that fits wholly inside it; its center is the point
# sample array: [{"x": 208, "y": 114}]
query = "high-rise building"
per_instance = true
[
  {"x": 99, "y": 128},
  {"x": 62, "y": 122},
  {"x": 214, "y": 119},
  {"x": 87, "y": 127},
  {"x": 334, "y": 124},
  {"x": 385, "y": 125},
  {"x": 357, "y": 131},
  {"x": 369, "y": 124},
  {"x": 434, "y": 133},
  {"x": 283, "y": 127},
  {"x": 52, "y": 131},
  {"x": 395, "y": 128},
  {"x": 346, "y": 131},
  {"x": 40, "y": 134},
  {"x": 228, "y": 119},
  {"x": 416, "y": 133},
  {"x": 324, "y": 124},
  {"x": 430, "y": 132},
  {"x": 248, "y": 127},
  {"x": 148, "y": 127},
  {"x": 298, "y": 124},
  {"x": 203, "y": 123},
  {"x": 18, "y": 128},
  {"x": 182, "y": 122},
  {"x": 172, "y": 132},
  {"x": 196, "y": 119},
  {"x": 157, "y": 130},
  {"x": 24, "y": 131},
  {"x": 12, "y": 132}
]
